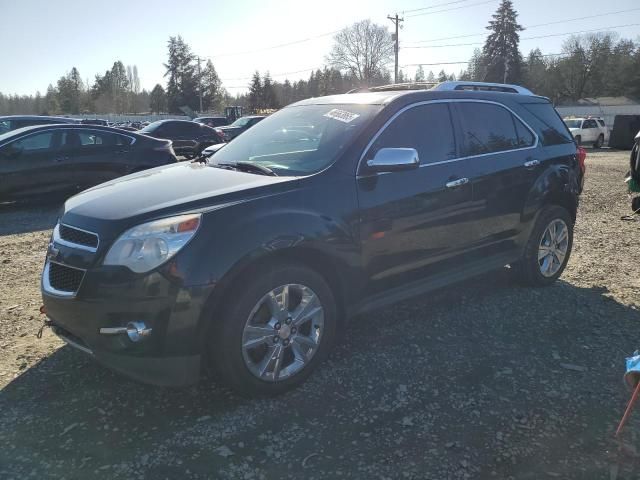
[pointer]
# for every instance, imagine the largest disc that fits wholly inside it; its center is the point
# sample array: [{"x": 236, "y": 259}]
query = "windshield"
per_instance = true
[
  {"x": 299, "y": 140},
  {"x": 573, "y": 123},
  {"x": 241, "y": 122},
  {"x": 151, "y": 127}
]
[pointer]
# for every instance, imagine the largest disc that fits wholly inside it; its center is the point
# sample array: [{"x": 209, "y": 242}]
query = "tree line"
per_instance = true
[{"x": 591, "y": 65}]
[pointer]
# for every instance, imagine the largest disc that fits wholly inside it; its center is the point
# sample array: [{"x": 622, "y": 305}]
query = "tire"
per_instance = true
[
  {"x": 251, "y": 318},
  {"x": 578, "y": 140},
  {"x": 535, "y": 272},
  {"x": 599, "y": 142}
]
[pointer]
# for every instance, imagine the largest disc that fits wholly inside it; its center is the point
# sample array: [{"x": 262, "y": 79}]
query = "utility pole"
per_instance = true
[
  {"x": 199, "y": 83},
  {"x": 396, "y": 21}
]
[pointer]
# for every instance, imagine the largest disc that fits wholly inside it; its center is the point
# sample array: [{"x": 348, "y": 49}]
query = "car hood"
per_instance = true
[
  {"x": 164, "y": 191},
  {"x": 229, "y": 127}
]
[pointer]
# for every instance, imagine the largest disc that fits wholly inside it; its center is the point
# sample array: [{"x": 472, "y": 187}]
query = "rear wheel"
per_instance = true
[
  {"x": 548, "y": 249},
  {"x": 599, "y": 142},
  {"x": 275, "y": 331}
]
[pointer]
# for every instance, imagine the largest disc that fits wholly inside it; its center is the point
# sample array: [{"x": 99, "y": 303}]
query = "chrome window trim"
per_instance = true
[
  {"x": 48, "y": 288},
  {"x": 448, "y": 100},
  {"x": 59, "y": 240},
  {"x": 28, "y": 134}
]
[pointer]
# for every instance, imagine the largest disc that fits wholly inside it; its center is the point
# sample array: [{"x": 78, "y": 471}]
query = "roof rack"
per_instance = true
[
  {"x": 448, "y": 86},
  {"x": 483, "y": 87}
]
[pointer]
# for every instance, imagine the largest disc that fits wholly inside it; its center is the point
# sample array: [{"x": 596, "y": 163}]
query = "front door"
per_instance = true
[
  {"x": 34, "y": 165},
  {"x": 414, "y": 222}
]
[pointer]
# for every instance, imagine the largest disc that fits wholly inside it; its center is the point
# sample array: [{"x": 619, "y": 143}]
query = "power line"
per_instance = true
[
  {"x": 527, "y": 27},
  {"x": 531, "y": 38},
  {"x": 450, "y": 9},
  {"x": 464, "y": 62},
  {"x": 295, "y": 42},
  {"x": 272, "y": 75},
  {"x": 434, "y": 6}
]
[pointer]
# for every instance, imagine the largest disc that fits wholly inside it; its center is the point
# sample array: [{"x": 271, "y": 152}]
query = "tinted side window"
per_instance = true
[
  {"x": 186, "y": 128},
  {"x": 601, "y": 122},
  {"x": 427, "y": 128},
  {"x": 552, "y": 128},
  {"x": 91, "y": 139},
  {"x": 486, "y": 128},
  {"x": 34, "y": 143},
  {"x": 589, "y": 124},
  {"x": 525, "y": 137}
]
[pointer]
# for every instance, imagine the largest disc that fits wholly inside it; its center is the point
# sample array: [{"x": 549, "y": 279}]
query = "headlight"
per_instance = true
[{"x": 149, "y": 245}]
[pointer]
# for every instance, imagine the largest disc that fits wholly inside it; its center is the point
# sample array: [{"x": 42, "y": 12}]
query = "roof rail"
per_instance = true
[
  {"x": 447, "y": 86},
  {"x": 396, "y": 86},
  {"x": 483, "y": 87}
]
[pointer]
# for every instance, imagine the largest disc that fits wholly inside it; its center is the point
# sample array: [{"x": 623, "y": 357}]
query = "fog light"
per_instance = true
[{"x": 136, "y": 331}]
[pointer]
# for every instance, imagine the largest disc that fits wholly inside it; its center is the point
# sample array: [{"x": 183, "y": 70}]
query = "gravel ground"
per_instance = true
[{"x": 482, "y": 380}]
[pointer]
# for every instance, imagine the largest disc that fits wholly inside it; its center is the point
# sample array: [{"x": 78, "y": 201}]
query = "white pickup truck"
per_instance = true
[{"x": 588, "y": 130}]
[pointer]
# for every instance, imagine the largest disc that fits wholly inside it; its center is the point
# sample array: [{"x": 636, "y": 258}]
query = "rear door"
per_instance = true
[
  {"x": 501, "y": 154},
  {"x": 97, "y": 156},
  {"x": 414, "y": 222},
  {"x": 34, "y": 165}
]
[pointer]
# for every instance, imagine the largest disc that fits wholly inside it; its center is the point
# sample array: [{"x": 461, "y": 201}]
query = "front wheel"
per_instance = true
[
  {"x": 275, "y": 331},
  {"x": 548, "y": 248}
]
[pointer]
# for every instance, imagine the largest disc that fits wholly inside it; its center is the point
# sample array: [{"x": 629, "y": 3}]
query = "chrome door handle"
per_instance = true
[
  {"x": 456, "y": 183},
  {"x": 531, "y": 163}
]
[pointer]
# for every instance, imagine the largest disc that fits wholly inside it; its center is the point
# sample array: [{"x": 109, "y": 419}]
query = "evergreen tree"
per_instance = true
[
  {"x": 420, "y": 74},
  {"x": 182, "y": 84},
  {"x": 212, "y": 98},
  {"x": 500, "y": 50},
  {"x": 431, "y": 78},
  {"x": 51, "y": 101},
  {"x": 158, "y": 99},
  {"x": 255, "y": 92},
  {"x": 269, "y": 99},
  {"x": 442, "y": 76}
]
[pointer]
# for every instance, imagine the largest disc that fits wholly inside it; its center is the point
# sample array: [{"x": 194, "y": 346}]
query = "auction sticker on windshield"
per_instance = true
[{"x": 341, "y": 115}]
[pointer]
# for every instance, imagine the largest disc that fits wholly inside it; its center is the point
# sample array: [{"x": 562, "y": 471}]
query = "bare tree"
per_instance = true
[{"x": 363, "y": 50}]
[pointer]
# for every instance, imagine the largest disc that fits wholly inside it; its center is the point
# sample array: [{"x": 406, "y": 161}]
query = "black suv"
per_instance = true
[{"x": 250, "y": 264}]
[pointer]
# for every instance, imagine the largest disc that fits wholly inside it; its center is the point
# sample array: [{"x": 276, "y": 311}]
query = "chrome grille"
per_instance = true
[
  {"x": 78, "y": 237},
  {"x": 64, "y": 279}
]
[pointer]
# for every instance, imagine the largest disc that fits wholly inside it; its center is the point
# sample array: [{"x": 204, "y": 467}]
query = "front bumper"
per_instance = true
[
  {"x": 169, "y": 371},
  {"x": 109, "y": 300}
]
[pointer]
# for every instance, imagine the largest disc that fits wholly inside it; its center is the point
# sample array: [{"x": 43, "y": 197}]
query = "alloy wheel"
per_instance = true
[
  {"x": 283, "y": 332},
  {"x": 553, "y": 247}
]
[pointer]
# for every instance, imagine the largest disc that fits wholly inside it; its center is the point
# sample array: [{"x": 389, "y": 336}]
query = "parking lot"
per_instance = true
[{"x": 482, "y": 380}]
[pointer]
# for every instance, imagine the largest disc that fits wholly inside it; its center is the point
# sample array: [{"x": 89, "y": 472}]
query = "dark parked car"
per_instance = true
[
  {"x": 66, "y": 158},
  {"x": 189, "y": 138},
  {"x": 334, "y": 206},
  {"x": 240, "y": 125},
  {"x": 94, "y": 121},
  {"x": 13, "y": 122},
  {"x": 212, "y": 121}
]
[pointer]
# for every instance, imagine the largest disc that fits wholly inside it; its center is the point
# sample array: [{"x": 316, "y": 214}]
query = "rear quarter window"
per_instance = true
[{"x": 552, "y": 128}]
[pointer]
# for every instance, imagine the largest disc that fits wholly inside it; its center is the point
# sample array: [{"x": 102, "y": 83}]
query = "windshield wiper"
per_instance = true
[{"x": 248, "y": 167}]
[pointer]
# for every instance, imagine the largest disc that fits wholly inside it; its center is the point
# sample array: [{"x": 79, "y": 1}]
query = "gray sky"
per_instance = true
[{"x": 42, "y": 40}]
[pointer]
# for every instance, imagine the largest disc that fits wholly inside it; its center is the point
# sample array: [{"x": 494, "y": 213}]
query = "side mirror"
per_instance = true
[{"x": 394, "y": 159}]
